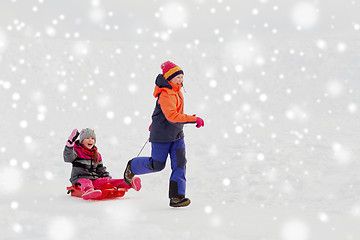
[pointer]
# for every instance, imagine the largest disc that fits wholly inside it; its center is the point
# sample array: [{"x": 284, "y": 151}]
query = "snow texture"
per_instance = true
[{"x": 277, "y": 83}]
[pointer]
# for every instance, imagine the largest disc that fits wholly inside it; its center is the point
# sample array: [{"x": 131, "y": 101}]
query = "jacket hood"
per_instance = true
[
  {"x": 161, "y": 82},
  {"x": 163, "y": 85}
]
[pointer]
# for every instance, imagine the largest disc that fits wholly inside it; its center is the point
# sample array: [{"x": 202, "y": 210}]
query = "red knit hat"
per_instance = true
[{"x": 170, "y": 70}]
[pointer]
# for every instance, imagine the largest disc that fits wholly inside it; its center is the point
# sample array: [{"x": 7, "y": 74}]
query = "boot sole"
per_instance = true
[
  {"x": 92, "y": 195},
  {"x": 183, "y": 203},
  {"x": 136, "y": 183}
]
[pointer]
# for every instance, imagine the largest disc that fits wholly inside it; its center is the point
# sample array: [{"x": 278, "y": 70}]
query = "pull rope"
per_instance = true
[{"x": 143, "y": 147}]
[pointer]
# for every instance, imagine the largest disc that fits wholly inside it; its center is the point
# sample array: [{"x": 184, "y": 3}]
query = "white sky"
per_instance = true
[{"x": 205, "y": 20}]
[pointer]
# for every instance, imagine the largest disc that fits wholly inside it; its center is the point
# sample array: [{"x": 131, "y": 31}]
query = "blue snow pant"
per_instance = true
[{"x": 157, "y": 161}]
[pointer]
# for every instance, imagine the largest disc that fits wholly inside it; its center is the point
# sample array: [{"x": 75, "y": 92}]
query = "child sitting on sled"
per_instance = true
[{"x": 88, "y": 170}]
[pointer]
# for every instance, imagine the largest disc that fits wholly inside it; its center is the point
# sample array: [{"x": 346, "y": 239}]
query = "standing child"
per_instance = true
[
  {"x": 87, "y": 166},
  {"x": 166, "y": 135}
]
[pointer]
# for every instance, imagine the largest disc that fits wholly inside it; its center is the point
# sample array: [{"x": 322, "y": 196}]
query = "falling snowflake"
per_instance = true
[
  {"x": 260, "y": 157},
  {"x": 81, "y": 48},
  {"x": 335, "y": 88},
  {"x": 208, "y": 209},
  {"x": 103, "y": 101},
  {"x": 263, "y": 97},
  {"x": 341, "y": 153},
  {"x": 321, "y": 44},
  {"x": 295, "y": 229},
  {"x": 305, "y": 15},
  {"x": 352, "y": 108},
  {"x": 12, "y": 180},
  {"x": 56, "y": 226},
  {"x": 341, "y": 47},
  {"x": 127, "y": 120},
  {"x": 133, "y": 88},
  {"x": 296, "y": 113},
  {"x": 174, "y": 15},
  {"x": 3, "y": 41},
  {"x": 110, "y": 114},
  {"x": 239, "y": 129},
  {"x": 323, "y": 217},
  {"x": 227, "y": 97},
  {"x": 226, "y": 182},
  {"x": 242, "y": 52},
  {"x": 213, "y": 83},
  {"x": 96, "y": 14},
  {"x": 14, "y": 205}
]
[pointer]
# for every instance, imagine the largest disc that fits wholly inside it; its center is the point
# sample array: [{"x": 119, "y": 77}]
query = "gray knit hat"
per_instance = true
[{"x": 87, "y": 132}]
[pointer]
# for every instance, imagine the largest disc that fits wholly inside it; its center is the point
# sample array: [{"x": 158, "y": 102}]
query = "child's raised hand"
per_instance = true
[
  {"x": 72, "y": 138},
  {"x": 199, "y": 122}
]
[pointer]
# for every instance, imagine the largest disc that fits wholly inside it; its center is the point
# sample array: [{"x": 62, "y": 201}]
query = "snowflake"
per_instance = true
[
  {"x": 174, "y": 15},
  {"x": 295, "y": 229},
  {"x": 305, "y": 15},
  {"x": 56, "y": 228}
]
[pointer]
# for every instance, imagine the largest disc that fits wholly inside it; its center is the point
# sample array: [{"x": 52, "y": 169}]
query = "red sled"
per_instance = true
[{"x": 107, "y": 191}]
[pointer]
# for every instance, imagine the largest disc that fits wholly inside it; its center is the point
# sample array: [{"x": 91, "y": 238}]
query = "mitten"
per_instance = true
[
  {"x": 72, "y": 138},
  {"x": 199, "y": 122},
  {"x": 149, "y": 127}
]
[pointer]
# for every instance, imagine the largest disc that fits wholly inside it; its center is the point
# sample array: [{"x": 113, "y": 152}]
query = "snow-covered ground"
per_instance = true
[{"x": 275, "y": 81}]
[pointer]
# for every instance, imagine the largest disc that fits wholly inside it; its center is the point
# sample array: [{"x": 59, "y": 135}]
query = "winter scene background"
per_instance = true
[{"x": 276, "y": 81}]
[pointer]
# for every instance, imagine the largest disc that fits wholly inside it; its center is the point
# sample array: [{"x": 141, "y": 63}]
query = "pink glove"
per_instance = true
[
  {"x": 199, "y": 122},
  {"x": 72, "y": 138},
  {"x": 149, "y": 127}
]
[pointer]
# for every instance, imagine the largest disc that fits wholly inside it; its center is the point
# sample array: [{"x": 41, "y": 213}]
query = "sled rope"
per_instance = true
[{"x": 143, "y": 147}]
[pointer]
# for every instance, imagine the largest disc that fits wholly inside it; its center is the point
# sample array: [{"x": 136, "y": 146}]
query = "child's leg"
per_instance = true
[
  {"x": 178, "y": 165},
  {"x": 155, "y": 163},
  {"x": 119, "y": 183},
  {"x": 100, "y": 182},
  {"x": 85, "y": 184},
  {"x": 87, "y": 189}
]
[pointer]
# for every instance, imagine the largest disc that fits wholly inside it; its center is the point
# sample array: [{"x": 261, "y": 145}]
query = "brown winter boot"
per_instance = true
[
  {"x": 128, "y": 174},
  {"x": 179, "y": 202}
]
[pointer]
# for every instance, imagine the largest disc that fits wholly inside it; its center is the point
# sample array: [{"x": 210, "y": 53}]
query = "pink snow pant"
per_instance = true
[{"x": 100, "y": 182}]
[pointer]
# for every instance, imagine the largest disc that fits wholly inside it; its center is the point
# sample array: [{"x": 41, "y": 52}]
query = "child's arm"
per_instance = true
[
  {"x": 69, "y": 154},
  {"x": 168, "y": 106}
]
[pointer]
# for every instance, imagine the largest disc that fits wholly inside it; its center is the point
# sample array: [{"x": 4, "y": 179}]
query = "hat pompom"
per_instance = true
[
  {"x": 166, "y": 66},
  {"x": 170, "y": 70}
]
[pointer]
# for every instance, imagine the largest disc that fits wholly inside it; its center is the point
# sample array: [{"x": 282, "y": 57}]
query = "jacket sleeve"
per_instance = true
[
  {"x": 168, "y": 106},
  {"x": 69, "y": 154},
  {"x": 101, "y": 170}
]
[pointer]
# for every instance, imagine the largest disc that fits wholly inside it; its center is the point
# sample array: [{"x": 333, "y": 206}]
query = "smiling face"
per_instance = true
[
  {"x": 178, "y": 79},
  {"x": 89, "y": 142}
]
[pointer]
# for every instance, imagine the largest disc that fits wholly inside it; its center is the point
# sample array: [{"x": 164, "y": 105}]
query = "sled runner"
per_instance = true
[{"x": 108, "y": 191}]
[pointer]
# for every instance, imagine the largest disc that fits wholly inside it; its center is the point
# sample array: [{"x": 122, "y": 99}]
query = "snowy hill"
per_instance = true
[{"x": 277, "y": 158}]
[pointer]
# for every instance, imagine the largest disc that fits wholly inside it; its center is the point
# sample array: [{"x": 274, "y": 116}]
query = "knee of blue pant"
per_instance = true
[{"x": 156, "y": 166}]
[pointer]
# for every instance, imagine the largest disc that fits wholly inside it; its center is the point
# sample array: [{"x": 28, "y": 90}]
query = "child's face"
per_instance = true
[
  {"x": 178, "y": 79},
  {"x": 89, "y": 142}
]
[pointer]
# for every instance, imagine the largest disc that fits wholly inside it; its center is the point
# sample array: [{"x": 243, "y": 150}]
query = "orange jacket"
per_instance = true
[
  {"x": 168, "y": 117},
  {"x": 172, "y": 104}
]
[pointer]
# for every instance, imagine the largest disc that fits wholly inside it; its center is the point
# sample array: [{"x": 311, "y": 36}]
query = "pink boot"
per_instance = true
[
  {"x": 91, "y": 194},
  {"x": 136, "y": 183}
]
